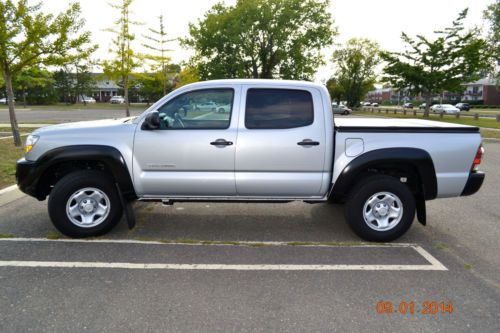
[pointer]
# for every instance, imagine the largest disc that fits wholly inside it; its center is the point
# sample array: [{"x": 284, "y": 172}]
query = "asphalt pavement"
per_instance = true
[
  {"x": 254, "y": 267},
  {"x": 34, "y": 115}
]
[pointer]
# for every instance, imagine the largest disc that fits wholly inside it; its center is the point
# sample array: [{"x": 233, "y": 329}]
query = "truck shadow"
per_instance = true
[{"x": 249, "y": 222}]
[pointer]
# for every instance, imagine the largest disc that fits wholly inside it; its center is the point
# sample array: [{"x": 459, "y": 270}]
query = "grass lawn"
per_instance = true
[
  {"x": 21, "y": 129},
  {"x": 10, "y": 154},
  {"x": 488, "y": 111},
  {"x": 481, "y": 122},
  {"x": 490, "y": 134}
]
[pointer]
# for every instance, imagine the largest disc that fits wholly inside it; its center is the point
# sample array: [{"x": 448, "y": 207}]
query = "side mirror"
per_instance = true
[{"x": 151, "y": 122}]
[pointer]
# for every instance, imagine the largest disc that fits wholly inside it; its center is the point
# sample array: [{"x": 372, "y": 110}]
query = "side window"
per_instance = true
[
  {"x": 278, "y": 109},
  {"x": 200, "y": 109}
]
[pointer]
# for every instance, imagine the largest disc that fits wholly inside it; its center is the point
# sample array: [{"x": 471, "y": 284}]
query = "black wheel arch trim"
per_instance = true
[
  {"x": 418, "y": 158},
  {"x": 30, "y": 173}
]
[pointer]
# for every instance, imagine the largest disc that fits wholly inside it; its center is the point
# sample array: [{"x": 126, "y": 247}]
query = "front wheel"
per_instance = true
[
  {"x": 84, "y": 204},
  {"x": 380, "y": 208}
]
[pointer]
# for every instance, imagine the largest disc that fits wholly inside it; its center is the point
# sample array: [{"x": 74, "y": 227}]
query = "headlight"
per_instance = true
[{"x": 30, "y": 142}]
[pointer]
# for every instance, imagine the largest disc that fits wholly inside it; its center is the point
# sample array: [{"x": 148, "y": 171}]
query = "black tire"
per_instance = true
[
  {"x": 70, "y": 184},
  {"x": 366, "y": 188}
]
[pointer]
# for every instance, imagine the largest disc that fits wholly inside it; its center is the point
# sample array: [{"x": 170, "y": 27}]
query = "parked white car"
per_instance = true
[
  {"x": 117, "y": 100},
  {"x": 4, "y": 100},
  {"x": 341, "y": 109},
  {"x": 445, "y": 108},
  {"x": 213, "y": 107},
  {"x": 88, "y": 100}
]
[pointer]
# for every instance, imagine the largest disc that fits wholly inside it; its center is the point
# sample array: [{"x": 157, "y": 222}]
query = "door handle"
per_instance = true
[
  {"x": 221, "y": 142},
  {"x": 308, "y": 142}
]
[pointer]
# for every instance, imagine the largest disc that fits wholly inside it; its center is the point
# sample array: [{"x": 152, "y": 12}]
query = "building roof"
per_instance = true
[{"x": 484, "y": 82}]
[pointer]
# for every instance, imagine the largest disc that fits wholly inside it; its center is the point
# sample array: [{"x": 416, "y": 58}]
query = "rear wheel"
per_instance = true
[
  {"x": 84, "y": 204},
  {"x": 380, "y": 208}
]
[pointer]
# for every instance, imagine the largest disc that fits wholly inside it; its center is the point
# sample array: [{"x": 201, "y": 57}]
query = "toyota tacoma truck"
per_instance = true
[{"x": 277, "y": 141}]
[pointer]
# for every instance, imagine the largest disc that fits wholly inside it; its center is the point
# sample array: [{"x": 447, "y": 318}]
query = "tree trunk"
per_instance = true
[
  {"x": 125, "y": 88},
  {"x": 428, "y": 101},
  {"x": 12, "y": 112}
]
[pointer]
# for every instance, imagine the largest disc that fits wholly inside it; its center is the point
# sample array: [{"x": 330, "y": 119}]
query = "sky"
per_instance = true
[{"x": 379, "y": 20}]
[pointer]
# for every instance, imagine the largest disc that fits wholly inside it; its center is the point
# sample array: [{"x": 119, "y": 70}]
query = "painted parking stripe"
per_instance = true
[
  {"x": 434, "y": 264},
  {"x": 80, "y": 264}
]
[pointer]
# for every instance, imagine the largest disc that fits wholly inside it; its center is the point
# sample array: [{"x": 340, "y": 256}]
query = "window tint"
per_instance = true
[
  {"x": 200, "y": 109},
  {"x": 278, "y": 108}
]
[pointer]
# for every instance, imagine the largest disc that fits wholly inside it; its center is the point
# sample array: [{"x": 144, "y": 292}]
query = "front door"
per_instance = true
[{"x": 192, "y": 154}]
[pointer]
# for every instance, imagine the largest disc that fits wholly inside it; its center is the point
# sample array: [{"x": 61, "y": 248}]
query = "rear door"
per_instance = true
[{"x": 281, "y": 142}]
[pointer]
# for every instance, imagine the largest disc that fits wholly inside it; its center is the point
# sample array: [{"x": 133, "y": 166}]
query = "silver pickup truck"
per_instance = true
[{"x": 260, "y": 141}]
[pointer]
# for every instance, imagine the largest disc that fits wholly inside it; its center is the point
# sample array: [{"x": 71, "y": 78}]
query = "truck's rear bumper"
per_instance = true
[{"x": 473, "y": 183}]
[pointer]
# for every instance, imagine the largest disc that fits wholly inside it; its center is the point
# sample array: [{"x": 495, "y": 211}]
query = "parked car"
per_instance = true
[
  {"x": 88, "y": 100},
  {"x": 341, "y": 109},
  {"x": 445, "y": 108},
  {"x": 5, "y": 100},
  {"x": 279, "y": 143},
  {"x": 463, "y": 106},
  {"x": 422, "y": 106},
  {"x": 367, "y": 104},
  {"x": 117, "y": 100},
  {"x": 407, "y": 106},
  {"x": 375, "y": 104},
  {"x": 206, "y": 106}
]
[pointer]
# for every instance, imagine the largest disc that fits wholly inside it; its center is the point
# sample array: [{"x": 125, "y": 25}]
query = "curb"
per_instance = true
[
  {"x": 10, "y": 194},
  {"x": 8, "y": 189}
]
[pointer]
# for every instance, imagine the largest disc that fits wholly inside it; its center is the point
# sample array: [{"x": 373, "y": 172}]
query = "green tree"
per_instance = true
[
  {"x": 261, "y": 39},
  {"x": 74, "y": 80},
  {"x": 492, "y": 15},
  {"x": 29, "y": 38},
  {"x": 84, "y": 80},
  {"x": 153, "y": 86},
  {"x": 355, "y": 65},
  {"x": 63, "y": 84},
  {"x": 159, "y": 60},
  {"x": 335, "y": 89},
  {"x": 28, "y": 80},
  {"x": 122, "y": 66},
  {"x": 186, "y": 76},
  {"x": 455, "y": 56}
]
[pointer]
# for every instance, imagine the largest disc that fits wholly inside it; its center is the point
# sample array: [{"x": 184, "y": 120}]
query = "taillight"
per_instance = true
[{"x": 477, "y": 159}]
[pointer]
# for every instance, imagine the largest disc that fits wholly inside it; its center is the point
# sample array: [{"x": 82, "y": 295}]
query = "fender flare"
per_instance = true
[
  {"x": 415, "y": 157},
  {"x": 107, "y": 155}
]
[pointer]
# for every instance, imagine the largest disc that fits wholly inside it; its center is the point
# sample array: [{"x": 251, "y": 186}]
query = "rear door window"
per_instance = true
[{"x": 278, "y": 109}]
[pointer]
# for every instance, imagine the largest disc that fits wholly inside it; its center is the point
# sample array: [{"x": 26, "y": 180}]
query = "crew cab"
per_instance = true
[{"x": 277, "y": 142}]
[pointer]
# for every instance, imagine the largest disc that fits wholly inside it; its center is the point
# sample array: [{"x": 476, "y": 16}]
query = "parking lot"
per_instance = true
[
  {"x": 33, "y": 115},
  {"x": 252, "y": 267}
]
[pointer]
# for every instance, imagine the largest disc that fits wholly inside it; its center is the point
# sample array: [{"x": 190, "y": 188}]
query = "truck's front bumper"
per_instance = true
[
  {"x": 473, "y": 183},
  {"x": 27, "y": 177}
]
